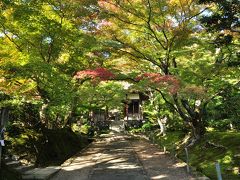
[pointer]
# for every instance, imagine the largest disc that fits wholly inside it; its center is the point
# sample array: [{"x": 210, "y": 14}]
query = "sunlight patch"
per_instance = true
[
  {"x": 124, "y": 166},
  {"x": 159, "y": 176}
]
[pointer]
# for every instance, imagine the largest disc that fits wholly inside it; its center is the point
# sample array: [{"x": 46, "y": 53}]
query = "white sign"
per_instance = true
[
  {"x": 133, "y": 96},
  {"x": 197, "y": 103},
  {"x": 2, "y": 143}
]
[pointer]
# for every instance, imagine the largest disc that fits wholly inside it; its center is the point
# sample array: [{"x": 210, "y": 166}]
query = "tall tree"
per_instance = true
[
  {"x": 223, "y": 22},
  {"x": 167, "y": 35},
  {"x": 42, "y": 44},
  {"x": 222, "y": 19}
]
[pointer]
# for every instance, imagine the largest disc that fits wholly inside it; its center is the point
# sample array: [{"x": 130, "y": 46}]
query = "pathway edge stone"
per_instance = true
[
  {"x": 71, "y": 159},
  {"x": 46, "y": 172}
]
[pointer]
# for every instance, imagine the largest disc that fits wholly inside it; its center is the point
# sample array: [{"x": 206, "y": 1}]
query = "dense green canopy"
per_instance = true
[{"x": 188, "y": 52}]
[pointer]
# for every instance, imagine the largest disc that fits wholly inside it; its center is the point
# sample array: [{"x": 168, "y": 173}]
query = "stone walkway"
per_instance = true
[
  {"x": 118, "y": 157},
  {"x": 157, "y": 164}
]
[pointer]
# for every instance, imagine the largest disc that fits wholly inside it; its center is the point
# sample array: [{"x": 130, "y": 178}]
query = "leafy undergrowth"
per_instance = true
[
  {"x": 223, "y": 147},
  {"x": 43, "y": 147},
  {"x": 60, "y": 145}
]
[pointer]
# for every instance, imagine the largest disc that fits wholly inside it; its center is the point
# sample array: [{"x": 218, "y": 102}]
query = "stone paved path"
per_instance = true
[{"x": 116, "y": 157}]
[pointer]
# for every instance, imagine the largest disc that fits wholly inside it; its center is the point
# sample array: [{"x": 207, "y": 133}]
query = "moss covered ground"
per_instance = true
[{"x": 223, "y": 147}]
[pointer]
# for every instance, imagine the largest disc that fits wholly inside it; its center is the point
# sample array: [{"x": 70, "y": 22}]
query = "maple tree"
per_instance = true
[
  {"x": 160, "y": 81},
  {"x": 62, "y": 62},
  {"x": 42, "y": 44},
  {"x": 222, "y": 20},
  {"x": 169, "y": 36},
  {"x": 104, "y": 95},
  {"x": 186, "y": 51},
  {"x": 101, "y": 73}
]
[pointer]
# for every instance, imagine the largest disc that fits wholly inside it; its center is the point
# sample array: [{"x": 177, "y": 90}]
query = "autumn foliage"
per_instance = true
[
  {"x": 158, "y": 80},
  {"x": 151, "y": 79},
  {"x": 101, "y": 73}
]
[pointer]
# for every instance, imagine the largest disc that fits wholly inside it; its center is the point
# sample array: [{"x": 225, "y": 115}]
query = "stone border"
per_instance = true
[
  {"x": 71, "y": 159},
  {"x": 46, "y": 172}
]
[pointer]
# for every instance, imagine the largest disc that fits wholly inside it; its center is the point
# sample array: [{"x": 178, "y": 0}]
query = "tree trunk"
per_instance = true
[
  {"x": 192, "y": 115},
  {"x": 198, "y": 128},
  {"x": 72, "y": 114},
  {"x": 106, "y": 113},
  {"x": 195, "y": 118},
  {"x": 71, "y": 117},
  {"x": 43, "y": 110},
  {"x": 4, "y": 116},
  {"x": 162, "y": 127},
  {"x": 68, "y": 120},
  {"x": 43, "y": 116}
]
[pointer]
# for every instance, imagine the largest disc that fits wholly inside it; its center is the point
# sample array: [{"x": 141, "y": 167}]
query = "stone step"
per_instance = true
[
  {"x": 40, "y": 173},
  {"x": 29, "y": 171},
  {"x": 13, "y": 164},
  {"x": 7, "y": 159},
  {"x": 22, "y": 169}
]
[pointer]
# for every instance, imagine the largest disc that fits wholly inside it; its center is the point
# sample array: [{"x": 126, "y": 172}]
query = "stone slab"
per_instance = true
[{"x": 40, "y": 173}]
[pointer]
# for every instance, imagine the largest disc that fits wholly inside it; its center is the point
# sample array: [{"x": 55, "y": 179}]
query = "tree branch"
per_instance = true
[
  {"x": 142, "y": 55},
  {"x": 180, "y": 111},
  {"x": 165, "y": 99},
  {"x": 125, "y": 21},
  {"x": 197, "y": 14},
  {"x": 150, "y": 28},
  {"x": 10, "y": 39}
]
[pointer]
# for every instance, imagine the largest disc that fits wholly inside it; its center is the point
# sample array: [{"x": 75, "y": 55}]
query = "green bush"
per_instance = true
[
  {"x": 58, "y": 145},
  {"x": 222, "y": 124},
  {"x": 136, "y": 130},
  {"x": 147, "y": 126},
  {"x": 85, "y": 129}
]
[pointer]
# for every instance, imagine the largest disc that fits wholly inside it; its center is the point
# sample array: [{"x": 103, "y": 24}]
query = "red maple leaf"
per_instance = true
[
  {"x": 99, "y": 73},
  {"x": 156, "y": 79}
]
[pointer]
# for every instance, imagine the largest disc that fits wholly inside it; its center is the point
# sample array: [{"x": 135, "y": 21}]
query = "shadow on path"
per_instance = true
[{"x": 116, "y": 157}]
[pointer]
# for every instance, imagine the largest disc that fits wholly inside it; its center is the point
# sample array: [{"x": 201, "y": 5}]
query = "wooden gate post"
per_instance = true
[{"x": 4, "y": 115}]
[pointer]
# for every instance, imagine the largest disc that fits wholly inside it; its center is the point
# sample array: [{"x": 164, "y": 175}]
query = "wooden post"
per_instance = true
[
  {"x": 4, "y": 115},
  {"x": 127, "y": 110},
  {"x": 2, "y": 112},
  {"x": 1, "y": 127},
  {"x": 218, "y": 169},
  {"x": 164, "y": 149},
  {"x": 140, "y": 110},
  {"x": 0, "y": 156},
  {"x": 162, "y": 127},
  {"x": 187, "y": 160}
]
